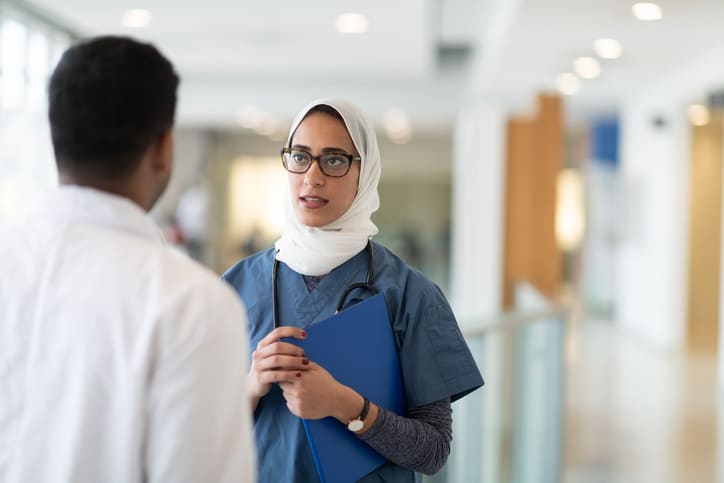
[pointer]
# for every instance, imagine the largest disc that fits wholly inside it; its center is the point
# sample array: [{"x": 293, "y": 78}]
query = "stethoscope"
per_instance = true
[{"x": 366, "y": 285}]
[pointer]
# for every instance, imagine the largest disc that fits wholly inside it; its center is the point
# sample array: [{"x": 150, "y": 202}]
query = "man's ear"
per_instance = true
[{"x": 163, "y": 152}]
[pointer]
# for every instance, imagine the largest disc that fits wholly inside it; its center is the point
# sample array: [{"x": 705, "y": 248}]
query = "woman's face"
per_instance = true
[{"x": 318, "y": 199}]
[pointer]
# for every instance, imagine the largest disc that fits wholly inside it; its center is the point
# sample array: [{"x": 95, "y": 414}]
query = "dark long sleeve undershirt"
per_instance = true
[{"x": 419, "y": 442}]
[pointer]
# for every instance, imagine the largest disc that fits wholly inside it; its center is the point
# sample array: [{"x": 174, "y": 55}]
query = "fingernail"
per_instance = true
[
  {"x": 299, "y": 374},
  {"x": 303, "y": 333},
  {"x": 305, "y": 361}
]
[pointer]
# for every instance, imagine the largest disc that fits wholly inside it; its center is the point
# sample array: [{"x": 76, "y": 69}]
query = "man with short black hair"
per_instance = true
[{"x": 120, "y": 360}]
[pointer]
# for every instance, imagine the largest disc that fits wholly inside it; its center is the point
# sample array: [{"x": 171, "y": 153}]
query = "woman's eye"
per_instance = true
[
  {"x": 299, "y": 158},
  {"x": 335, "y": 161}
]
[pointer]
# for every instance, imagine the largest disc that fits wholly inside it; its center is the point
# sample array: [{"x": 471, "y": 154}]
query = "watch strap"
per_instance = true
[
  {"x": 365, "y": 410},
  {"x": 358, "y": 423}
]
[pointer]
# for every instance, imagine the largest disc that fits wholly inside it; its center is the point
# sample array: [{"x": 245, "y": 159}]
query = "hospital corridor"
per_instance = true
[{"x": 535, "y": 186}]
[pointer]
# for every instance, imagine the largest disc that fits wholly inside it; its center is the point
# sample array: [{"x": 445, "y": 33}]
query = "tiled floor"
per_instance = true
[{"x": 638, "y": 415}]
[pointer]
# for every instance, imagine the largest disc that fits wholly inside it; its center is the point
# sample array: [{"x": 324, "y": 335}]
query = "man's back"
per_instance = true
[{"x": 110, "y": 352}]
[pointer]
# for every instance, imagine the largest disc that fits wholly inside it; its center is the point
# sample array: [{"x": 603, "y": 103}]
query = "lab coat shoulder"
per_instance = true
[
  {"x": 194, "y": 299},
  {"x": 201, "y": 365}
]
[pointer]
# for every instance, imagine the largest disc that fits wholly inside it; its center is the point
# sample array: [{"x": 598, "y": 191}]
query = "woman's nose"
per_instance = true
[{"x": 314, "y": 175}]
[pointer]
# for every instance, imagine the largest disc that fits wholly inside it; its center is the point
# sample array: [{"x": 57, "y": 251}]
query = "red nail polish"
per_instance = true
[
  {"x": 304, "y": 333},
  {"x": 299, "y": 374},
  {"x": 305, "y": 361}
]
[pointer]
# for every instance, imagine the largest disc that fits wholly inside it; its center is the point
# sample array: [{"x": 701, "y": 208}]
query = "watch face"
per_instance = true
[{"x": 355, "y": 425}]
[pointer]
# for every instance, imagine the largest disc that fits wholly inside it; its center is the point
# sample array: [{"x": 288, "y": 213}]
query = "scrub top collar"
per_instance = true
[{"x": 311, "y": 306}]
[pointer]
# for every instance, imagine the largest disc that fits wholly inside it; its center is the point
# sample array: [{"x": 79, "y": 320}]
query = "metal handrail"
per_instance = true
[{"x": 511, "y": 320}]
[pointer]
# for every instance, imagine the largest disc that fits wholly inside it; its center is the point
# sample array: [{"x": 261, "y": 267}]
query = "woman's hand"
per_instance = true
[
  {"x": 316, "y": 394},
  {"x": 275, "y": 361}
]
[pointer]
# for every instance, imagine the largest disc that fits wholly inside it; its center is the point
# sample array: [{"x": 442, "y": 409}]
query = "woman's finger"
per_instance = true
[
  {"x": 278, "y": 348},
  {"x": 280, "y": 333},
  {"x": 268, "y": 377},
  {"x": 281, "y": 362}
]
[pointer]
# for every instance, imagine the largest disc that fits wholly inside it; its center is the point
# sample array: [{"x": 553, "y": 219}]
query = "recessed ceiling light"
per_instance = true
[
  {"x": 136, "y": 18},
  {"x": 698, "y": 114},
  {"x": 647, "y": 11},
  {"x": 608, "y": 48},
  {"x": 397, "y": 125},
  {"x": 250, "y": 117},
  {"x": 351, "y": 23},
  {"x": 587, "y": 67},
  {"x": 268, "y": 126},
  {"x": 568, "y": 84}
]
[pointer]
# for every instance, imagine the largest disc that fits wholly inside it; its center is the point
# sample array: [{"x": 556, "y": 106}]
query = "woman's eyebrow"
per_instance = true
[
  {"x": 329, "y": 149},
  {"x": 334, "y": 150}
]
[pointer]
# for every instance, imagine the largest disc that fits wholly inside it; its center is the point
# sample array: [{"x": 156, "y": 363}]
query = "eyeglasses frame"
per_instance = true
[{"x": 349, "y": 157}]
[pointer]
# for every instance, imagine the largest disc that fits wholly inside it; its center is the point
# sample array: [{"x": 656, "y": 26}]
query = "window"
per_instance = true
[{"x": 29, "y": 49}]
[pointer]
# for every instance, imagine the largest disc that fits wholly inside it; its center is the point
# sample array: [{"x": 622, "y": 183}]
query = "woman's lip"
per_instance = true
[{"x": 312, "y": 202}]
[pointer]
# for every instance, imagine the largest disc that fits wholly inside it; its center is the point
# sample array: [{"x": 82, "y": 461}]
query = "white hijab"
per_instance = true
[{"x": 316, "y": 251}]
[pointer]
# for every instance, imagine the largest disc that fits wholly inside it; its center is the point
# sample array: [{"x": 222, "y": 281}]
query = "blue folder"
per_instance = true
[{"x": 357, "y": 347}]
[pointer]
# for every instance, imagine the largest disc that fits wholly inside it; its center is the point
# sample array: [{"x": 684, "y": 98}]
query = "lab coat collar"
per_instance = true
[{"x": 98, "y": 207}]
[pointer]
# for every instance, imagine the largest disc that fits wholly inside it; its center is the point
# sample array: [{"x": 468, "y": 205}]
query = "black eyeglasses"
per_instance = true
[{"x": 334, "y": 165}]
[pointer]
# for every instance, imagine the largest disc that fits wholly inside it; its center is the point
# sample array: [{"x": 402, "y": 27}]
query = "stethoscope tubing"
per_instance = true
[{"x": 366, "y": 285}]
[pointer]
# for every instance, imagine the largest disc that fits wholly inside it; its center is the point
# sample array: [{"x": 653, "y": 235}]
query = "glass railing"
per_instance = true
[{"x": 511, "y": 430}]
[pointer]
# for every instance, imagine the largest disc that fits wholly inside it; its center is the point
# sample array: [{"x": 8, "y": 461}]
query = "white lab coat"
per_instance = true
[{"x": 120, "y": 360}]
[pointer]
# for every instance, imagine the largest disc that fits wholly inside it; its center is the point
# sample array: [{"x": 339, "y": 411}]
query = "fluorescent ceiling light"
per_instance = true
[
  {"x": 136, "y": 18},
  {"x": 698, "y": 114},
  {"x": 351, "y": 23},
  {"x": 608, "y": 48},
  {"x": 587, "y": 67},
  {"x": 568, "y": 84},
  {"x": 647, "y": 11}
]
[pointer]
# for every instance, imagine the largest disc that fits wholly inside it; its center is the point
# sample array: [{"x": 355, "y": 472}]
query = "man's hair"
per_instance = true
[{"x": 109, "y": 98}]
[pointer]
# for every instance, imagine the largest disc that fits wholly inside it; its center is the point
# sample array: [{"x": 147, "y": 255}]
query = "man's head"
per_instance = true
[{"x": 111, "y": 108}]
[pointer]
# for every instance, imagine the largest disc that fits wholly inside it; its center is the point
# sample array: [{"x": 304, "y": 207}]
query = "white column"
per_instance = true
[
  {"x": 477, "y": 218},
  {"x": 476, "y": 280}
]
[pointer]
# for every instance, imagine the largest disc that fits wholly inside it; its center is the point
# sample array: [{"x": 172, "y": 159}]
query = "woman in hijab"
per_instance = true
[{"x": 333, "y": 169}]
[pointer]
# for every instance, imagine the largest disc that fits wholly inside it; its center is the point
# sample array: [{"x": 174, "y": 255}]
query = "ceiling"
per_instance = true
[{"x": 427, "y": 57}]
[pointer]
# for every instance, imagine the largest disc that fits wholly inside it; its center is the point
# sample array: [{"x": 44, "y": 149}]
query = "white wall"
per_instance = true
[{"x": 651, "y": 263}]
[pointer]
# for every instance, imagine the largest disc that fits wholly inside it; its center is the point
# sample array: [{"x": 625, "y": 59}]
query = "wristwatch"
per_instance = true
[{"x": 359, "y": 422}]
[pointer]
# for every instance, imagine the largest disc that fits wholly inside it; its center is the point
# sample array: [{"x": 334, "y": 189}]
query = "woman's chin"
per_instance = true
[{"x": 314, "y": 219}]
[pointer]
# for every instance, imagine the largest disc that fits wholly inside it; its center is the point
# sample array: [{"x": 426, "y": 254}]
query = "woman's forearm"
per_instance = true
[{"x": 419, "y": 442}]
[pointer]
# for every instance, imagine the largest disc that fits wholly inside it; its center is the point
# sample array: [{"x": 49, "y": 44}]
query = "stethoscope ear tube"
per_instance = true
[{"x": 275, "y": 297}]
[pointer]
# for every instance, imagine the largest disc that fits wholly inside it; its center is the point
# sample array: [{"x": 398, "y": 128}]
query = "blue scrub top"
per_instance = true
[{"x": 436, "y": 362}]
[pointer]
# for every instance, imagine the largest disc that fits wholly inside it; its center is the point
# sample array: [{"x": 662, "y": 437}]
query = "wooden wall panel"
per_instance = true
[
  {"x": 705, "y": 235},
  {"x": 534, "y": 155}
]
